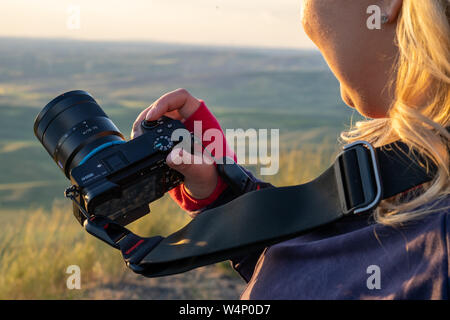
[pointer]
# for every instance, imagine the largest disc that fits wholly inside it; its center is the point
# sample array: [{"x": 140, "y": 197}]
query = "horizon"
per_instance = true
[
  {"x": 162, "y": 43},
  {"x": 255, "y": 23}
]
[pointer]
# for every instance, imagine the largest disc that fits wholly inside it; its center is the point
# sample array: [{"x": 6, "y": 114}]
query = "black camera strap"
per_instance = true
[{"x": 358, "y": 180}]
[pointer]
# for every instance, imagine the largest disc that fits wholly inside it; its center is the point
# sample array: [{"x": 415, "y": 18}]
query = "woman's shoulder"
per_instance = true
[
  {"x": 437, "y": 218},
  {"x": 438, "y": 208},
  {"x": 432, "y": 230}
]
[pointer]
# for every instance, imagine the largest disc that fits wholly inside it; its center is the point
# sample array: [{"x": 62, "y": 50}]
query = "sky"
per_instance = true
[{"x": 260, "y": 23}]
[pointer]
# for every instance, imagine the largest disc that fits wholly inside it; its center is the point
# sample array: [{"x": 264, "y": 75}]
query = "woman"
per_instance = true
[{"x": 399, "y": 77}]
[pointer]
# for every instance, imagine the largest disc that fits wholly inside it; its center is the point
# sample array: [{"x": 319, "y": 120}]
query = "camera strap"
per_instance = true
[{"x": 262, "y": 215}]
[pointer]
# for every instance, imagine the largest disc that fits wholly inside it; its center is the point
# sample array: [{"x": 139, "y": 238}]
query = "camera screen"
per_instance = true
[{"x": 134, "y": 196}]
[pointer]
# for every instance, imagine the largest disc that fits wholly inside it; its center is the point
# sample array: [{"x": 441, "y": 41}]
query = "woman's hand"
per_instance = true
[
  {"x": 200, "y": 178},
  {"x": 178, "y": 104}
]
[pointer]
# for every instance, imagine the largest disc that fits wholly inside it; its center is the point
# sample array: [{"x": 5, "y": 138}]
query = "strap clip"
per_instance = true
[
  {"x": 106, "y": 230},
  {"x": 234, "y": 175},
  {"x": 358, "y": 178}
]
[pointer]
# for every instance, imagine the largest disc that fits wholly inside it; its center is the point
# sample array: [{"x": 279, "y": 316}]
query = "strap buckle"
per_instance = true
[{"x": 358, "y": 178}]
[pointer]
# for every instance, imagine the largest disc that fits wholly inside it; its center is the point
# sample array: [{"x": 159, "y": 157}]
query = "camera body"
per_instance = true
[{"x": 121, "y": 179}]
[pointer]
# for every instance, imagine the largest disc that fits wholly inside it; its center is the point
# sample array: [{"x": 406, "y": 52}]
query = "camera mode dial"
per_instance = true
[{"x": 163, "y": 143}]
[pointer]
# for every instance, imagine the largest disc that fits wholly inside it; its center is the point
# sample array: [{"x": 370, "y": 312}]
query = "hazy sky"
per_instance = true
[{"x": 274, "y": 23}]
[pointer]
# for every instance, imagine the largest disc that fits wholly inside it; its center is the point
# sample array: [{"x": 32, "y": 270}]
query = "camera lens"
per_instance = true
[{"x": 72, "y": 127}]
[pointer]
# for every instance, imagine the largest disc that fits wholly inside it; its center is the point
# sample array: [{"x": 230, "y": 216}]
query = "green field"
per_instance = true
[{"x": 289, "y": 90}]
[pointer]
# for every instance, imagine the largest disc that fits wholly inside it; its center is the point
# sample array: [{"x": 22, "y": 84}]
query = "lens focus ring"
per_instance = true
[{"x": 71, "y": 126}]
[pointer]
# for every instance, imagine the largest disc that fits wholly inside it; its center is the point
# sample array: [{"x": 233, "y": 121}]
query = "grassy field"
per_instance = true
[{"x": 292, "y": 91}]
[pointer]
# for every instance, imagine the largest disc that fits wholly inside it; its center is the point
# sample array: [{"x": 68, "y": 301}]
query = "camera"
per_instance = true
[{"x": 111, "y": 177}]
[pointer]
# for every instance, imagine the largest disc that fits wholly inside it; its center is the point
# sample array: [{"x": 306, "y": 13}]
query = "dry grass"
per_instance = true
[{"x": 37, "y": 248}]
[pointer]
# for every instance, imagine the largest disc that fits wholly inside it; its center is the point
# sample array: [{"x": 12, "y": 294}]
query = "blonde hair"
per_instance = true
[{"x": 421, "y": 110}]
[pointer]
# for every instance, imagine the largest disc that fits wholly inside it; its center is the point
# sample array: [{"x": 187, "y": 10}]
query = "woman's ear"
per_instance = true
[{"x": 392, "y": 9}]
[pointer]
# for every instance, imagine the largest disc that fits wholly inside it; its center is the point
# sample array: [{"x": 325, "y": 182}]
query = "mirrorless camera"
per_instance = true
[{"x": 110, "y": 176}]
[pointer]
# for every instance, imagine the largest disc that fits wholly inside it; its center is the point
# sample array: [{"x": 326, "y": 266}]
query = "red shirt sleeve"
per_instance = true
[{"x": 179, "y": 194}]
